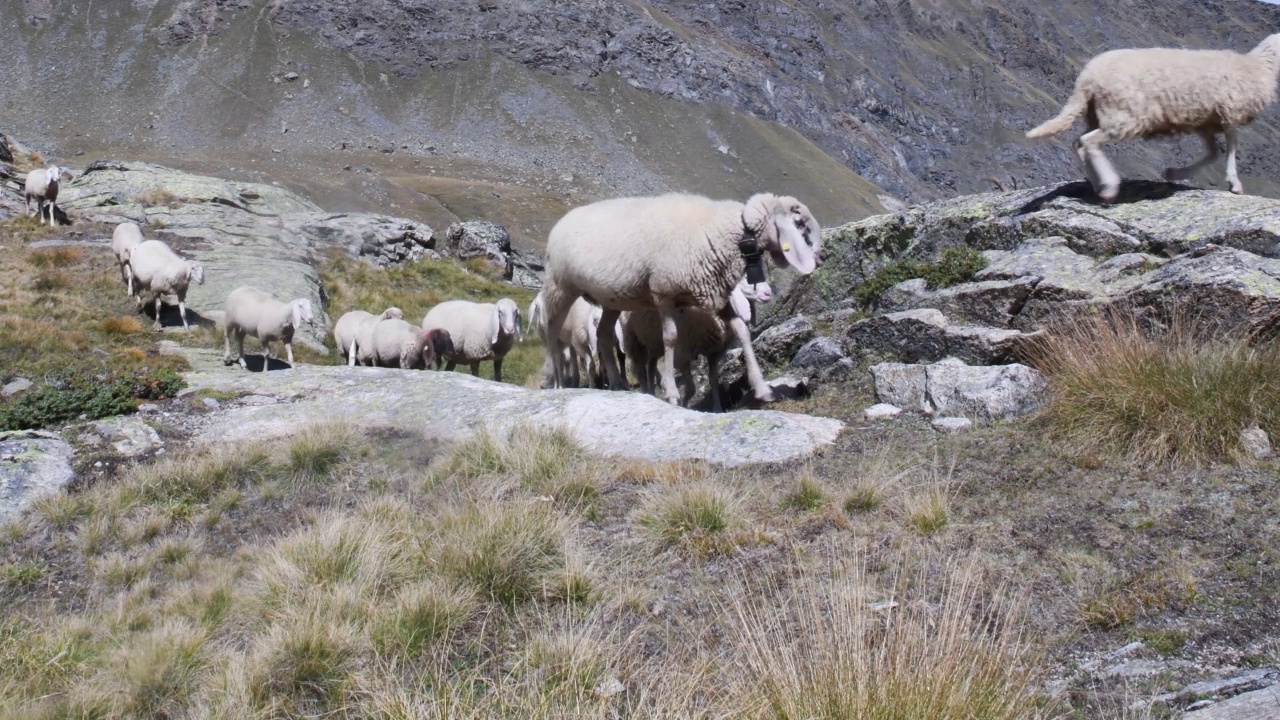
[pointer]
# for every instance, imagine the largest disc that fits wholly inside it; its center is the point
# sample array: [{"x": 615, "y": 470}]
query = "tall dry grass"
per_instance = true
[{"x": 1156, "y": 396}]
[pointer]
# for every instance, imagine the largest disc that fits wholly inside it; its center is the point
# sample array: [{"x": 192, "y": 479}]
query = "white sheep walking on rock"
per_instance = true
[
  {"x": 1154, "y": 92},
  {"x": 157, "y": 269},
  {"x": 355, "y": 330},
  {"x": 698, "y": 333},
  {"x": 478, "y": 331},
  {"x": 124, "y": 239},
  {"x": 668, "y": 252},
  {"x": 250, "y": 311},
  {"x": 42, "y": 186}
]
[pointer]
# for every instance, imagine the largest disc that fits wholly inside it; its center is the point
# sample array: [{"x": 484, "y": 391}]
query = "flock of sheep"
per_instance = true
[{"x": 661, "y": 281}]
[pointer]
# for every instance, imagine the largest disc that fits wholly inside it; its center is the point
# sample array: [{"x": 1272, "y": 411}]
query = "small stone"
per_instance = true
[
  {"x": 259, "y": 400},
  {"x": 819, "y": 353},
  {"x": 881, "y": 411},
  {"x": 148, "y": 408},
  {"x": 168, "y": 347},
  {"x": 210, "y": 403},
  {"x": 1255, "y": 441},
  {"x": 883, "y": 606},
  {"x": 951, "y": 425},
  {"x": 841, "y": 370},
  {"x": 610, "y": 687},
  {"x": 306, "y": 83},
  {"x": 291, "y": 76},
  {"x": 16, "y": 387}
]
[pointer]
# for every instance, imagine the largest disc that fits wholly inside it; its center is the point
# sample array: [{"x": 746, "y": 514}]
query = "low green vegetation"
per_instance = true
[
  {"x": 954, "y": 265},
  {"x": 1157, "y": 397}
]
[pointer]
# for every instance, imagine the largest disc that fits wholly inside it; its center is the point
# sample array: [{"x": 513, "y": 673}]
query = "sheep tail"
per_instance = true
[{"x": 1072, "y": 111}]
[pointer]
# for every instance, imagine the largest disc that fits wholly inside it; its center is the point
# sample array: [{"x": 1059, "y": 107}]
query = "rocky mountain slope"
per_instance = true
[{"x": 516, "y": 111}]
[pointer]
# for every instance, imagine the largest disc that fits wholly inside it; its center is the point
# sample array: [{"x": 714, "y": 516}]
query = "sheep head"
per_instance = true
[
  {"x": 417, "y": 349},
  {"x": 300, "y": 309},
  {"x": 393, "y": 313},
  {"x": 53, "y": 173},
  {"x": 505, "y": 321},
  {"x": 441, "y": 342},
  {"x": 785, "y": 228},
  {"x": 1269, "y": 49},
  {"x": 195, "y": 273}
]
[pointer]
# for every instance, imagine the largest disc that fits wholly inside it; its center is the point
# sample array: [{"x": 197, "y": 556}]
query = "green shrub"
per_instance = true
[
  {"x": 67, "y": 397},
  {"x": 954, "y": 265}
]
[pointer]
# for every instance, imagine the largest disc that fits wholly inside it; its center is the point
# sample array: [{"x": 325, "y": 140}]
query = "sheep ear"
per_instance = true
[
  {"x": 296, "y": 308},
  {"x": 495, "y": 326},
  {"x": 741, "y": 307},
  {"x": 519, "y": 327}
]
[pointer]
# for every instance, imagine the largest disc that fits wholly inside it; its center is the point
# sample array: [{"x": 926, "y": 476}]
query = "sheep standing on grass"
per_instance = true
[
  {"x": 355, "y": 330},
  {"x": 400, "y": 344},
  {"x": 126, "y": 237},
  {"x": 250, "y": 311},
  {"x": 157, "y": 269},
  {"x": 668, "y": 252},
  {"x": 479, "y": 331},
  {"x": 1154, "y": 92},
  {"x": 698, "y": 333},
  {"x": 42, "y": 186}
]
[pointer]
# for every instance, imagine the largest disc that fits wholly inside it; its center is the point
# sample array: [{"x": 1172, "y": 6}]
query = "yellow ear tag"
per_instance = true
[{"x": 786, "y": 247}]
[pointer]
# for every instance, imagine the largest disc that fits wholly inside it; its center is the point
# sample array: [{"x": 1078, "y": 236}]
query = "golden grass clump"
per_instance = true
[{"x": 705, "y": 517}]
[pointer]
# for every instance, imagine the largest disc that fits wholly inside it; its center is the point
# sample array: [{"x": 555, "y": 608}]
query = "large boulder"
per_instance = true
[
  {"x": 455, "y": 405},
  {"x": 32, "y": 463},
  {"x": 952, "y": 388},
  {"x": 926, "y": 335},
  {"x": 485, "y": 242}
]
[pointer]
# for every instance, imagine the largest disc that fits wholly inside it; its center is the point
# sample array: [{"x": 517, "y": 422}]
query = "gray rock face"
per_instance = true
[
  {"x": 32, "y": 463},
  {"x": 1255, "y": 442},
  {"x": 881, "y": 411},
  {"x": 527, "y": 269},
  {"x": 1261, "y": 704},
  {"x": 454, "y": 405},
  {"x": 487, "y": 241},
  {"x": 993, "y": 302},
  {"x": 6, "y": 153},
  {"x": 952, "y": 388},
  {"x": 243, "y": 233},
  {"x": 128, "y": 435},
  {"x": 925, "y": 335},
  {"x": 17, "y": 387},
  {"x": 779, "y": 344},
  {"x": 952, "y": 425},
  {"x": 819, "y": 353}
]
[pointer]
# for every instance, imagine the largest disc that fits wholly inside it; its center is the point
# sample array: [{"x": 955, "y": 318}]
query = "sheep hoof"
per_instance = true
[
  {"x": 1237, "y": 189},
  {"x": 1109, "y": 194},
  {"x": 765, "y": 395}
]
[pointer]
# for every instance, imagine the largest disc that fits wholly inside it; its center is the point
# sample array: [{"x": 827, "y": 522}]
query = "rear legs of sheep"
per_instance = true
[{"x": 1211, "y": 154}]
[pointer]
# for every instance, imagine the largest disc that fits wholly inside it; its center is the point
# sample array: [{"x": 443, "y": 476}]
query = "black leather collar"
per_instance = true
[{"x": 749, "y": 246}]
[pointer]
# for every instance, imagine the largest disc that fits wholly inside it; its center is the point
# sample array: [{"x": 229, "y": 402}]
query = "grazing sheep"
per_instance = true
[
  {"x": 126, "y": 237},
  {"x": 578, "y": 336},
  {"x": 698, "y": 333},
  {"x": 400, "y": 344},
  {"x": 355, "y": 329},
  {"x": 42, "y": 186},
  {"x": 1155, "y": 92},
  {"x": 441, "y": 345},
  {"x": 157, "y": 269},
  {"x": 479, "y": 331},
  {"x": 250, "y": 311},
  {"x": 667, "y": 252}
]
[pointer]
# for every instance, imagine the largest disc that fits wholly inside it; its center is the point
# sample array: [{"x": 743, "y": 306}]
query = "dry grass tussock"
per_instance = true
[
  {"x": 1162, "y": 396},
  {"x": 417, "y": 287},
  {"x": 337, "y": 575}
]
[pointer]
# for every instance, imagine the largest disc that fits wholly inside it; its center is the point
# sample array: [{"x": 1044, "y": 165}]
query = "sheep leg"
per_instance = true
[
  {"x": 497, "y": 369},
  {"x": 288, "y": 349},
  {"x": 606, "y": 341},
  {"x": 1211, "y": 153},
  {"x": 351, "y": 354},
  {"x": 450, "y": 366},
  {"x": 763, "y": 392},
  {"x": 713, "y": 381},
  {"x": 128, "y": 272},
  {"x": 158, "y": 301},
  {"x": 239, "y": 345},
  {"x": 226, "y": 351},
  {"x": 475, "y": 368},
  {"x": 182, "y": 310},
  {"x": 669, "y": 337},
  {"x": 1105, "y": 179},
  {"x": 556, "y": 304},
  {"x": 52, "y": 221},
  {"x": 1232, "y": 178}
]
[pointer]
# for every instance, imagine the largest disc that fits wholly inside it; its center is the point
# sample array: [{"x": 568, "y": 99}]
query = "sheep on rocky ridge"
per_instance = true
[
  {"x": 355, "y": 330},
  {"x": 42, "y": 186},
  {"x": 250, "y": 311},
  {"x": 1154, "y": 92},
  {"x": 124, "y": 239},
  {"x": 157, "y": 269},
  {"x": 667, "y": 252},
  {"x": 479, "y": 331}
]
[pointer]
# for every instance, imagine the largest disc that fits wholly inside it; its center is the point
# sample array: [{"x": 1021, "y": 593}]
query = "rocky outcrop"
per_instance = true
[
  {"x": 454, "y": 405},
  {"x": 952, "y": 388},
  {"x": 481, "y": 241},
  {"x": 6, "y": 152},
  {"x": 926, "y": 335},
  {"x": 32, "y": 463}
]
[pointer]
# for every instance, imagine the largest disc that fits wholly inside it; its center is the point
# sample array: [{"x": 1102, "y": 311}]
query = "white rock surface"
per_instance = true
[{"x": 984, "y": 393}]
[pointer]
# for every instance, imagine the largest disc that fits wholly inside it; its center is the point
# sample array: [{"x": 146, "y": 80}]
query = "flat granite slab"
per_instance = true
[{"x": 452, "y": 405}]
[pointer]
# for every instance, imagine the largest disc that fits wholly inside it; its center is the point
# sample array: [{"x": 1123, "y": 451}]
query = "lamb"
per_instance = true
[
  {"x": 1154, "y": 92},
  {"x": 400, "y": 343},
  {"x": 250, "y": 311},
  {"x": 667, "y": 252},
  {"x": 355, "y": 329},
  {"x": 698, "y": 333},
  {"x": 42, "y": 186},
  {"x": 126, "y": 237},
  {"x": 159, "y": 270},
  {"x": 479, "y": 331},
  {"x": 441, "y": 345}
]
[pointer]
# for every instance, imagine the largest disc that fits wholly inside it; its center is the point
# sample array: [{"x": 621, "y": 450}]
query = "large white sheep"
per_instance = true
[
  {"x": 1154, "y": 92},
  {"x": 698, "y": 333},
  {"x": 401, "y": 344},
  {"x": 157, "y": 269},
  {"x": 42, "y": 186},
  {"x": 250, "y": 311},
  {"x": 478, "y": 331},
  {"x": 355, "y": 330},
  {"x": 668, "y": 252},
  {"x": 124, "y": 239}
]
